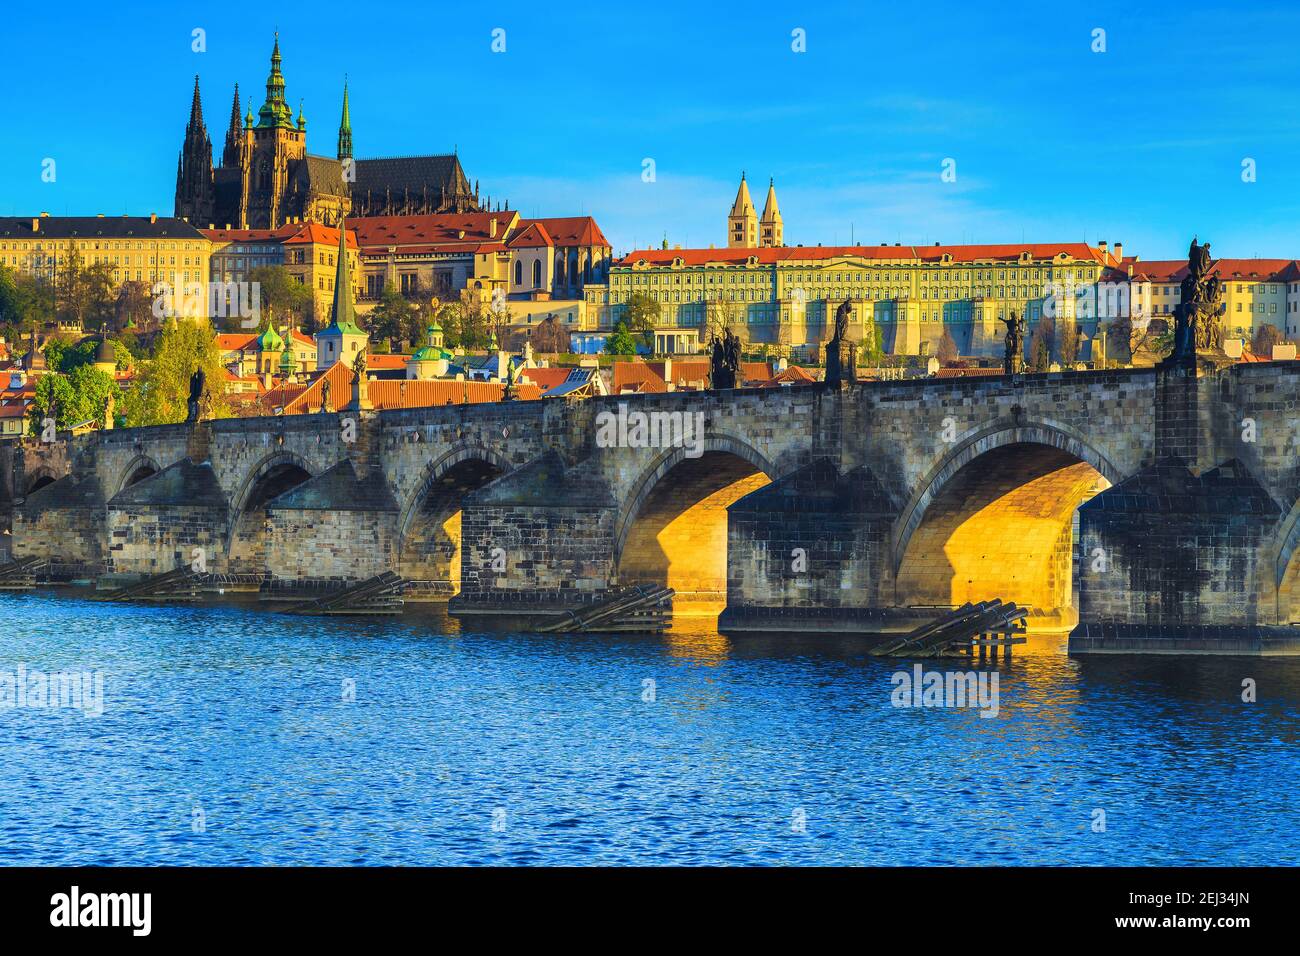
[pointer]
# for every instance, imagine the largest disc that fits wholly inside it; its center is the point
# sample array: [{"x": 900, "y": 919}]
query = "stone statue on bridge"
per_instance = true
[
  {"x": 325, "y": 396},
  {"x": 837, "y": 370},
  {"x": 1198, "y": 324},
  {"x": 1013, "y": 363},
  {"x": 194, "y": 406},
  {"x": 724, "y": 361}
]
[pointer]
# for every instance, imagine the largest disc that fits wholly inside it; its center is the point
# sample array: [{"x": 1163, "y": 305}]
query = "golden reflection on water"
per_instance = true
[{"x": 694, "y": 636}]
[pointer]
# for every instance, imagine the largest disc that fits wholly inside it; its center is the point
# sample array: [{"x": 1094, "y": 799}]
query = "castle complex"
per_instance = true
[{"x": 267, "y": 178}]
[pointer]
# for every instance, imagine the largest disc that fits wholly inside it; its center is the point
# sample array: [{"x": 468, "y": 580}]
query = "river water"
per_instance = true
[{"x": 231, "y": 735}]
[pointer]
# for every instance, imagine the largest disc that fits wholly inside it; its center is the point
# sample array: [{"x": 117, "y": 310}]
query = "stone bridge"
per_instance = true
[{"x": 1147, "y": 509}]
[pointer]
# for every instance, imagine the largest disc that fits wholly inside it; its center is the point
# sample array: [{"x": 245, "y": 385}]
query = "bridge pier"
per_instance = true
[
  {"x": 811, "y": 551},
  {"x": 1177, "y": 557},
  {"x": 333, "y": 529},
  {"x": 1173, "y": 562},
  {"x": 175, "y": 518},
  {"x": 538, "y": 541}
]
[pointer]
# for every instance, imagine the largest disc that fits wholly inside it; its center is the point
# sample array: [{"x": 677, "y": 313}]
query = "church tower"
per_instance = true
[
  {"x": 277, "y": 140},
  {"x": 195, "y": 197},
  {"x": 345, "y": 128},
  {"x": 742, "y": 224},
  {"x": 771, "y": 230}
]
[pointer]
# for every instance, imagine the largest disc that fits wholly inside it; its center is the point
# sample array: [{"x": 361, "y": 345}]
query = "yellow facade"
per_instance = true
[
  {"x": 42, "y": 245},
  {"x": 913, "y": 295}
]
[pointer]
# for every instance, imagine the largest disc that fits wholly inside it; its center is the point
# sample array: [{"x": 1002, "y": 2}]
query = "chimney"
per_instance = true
[
  {"x": 492, "y": 227},
  {"x": 1101, "y": 244},
  {"x": 153, "y": 217},
  {"x": 1119, "y": 251},
  {"x": 36, "y": 224}
]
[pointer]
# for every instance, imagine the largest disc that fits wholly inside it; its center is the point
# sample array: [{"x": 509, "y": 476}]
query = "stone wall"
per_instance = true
[{"x": 312, "y": 547}]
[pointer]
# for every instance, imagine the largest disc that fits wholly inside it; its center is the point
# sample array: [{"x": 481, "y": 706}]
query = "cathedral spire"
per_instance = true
[
  {"x": 345, "y": 127},
  {"x": 275, "y": 111},
  {"x": 194, "y": 191},
  {"x": 196, "y": 105},
  {"x": 230, "y": 157}
]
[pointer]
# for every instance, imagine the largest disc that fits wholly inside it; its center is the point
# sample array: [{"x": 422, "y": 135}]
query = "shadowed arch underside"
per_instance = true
[
  {"x": 678, "y": 534},
  {"x": 1002, "y": 527},
  {"x": 430, "y": 545},
  {"x": 247, "y": 554}
]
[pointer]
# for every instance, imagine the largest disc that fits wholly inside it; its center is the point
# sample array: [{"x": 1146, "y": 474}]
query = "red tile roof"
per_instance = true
[
  {"x": 385, "y": 394},
  {"x": 569, "y": 230},
  {"x": 254, "y": 235},
  {"x": 533, "y": 236},
  {"x": 635, "y": 376},
  {"x": 793, "y": 375},
  {"x": 1254, "y": 270},
  {"x": 547, "y": 378},
  {"x": 684, "y": 373},
  {"x": 375, "y": 361},
  {"x": 234, "y": 341},
  {"x": 323, "y": 235},
  {"x": 769, "y": 256},
  {"x": 464, "y": 232},
  {"x": 400, "y": 393}
]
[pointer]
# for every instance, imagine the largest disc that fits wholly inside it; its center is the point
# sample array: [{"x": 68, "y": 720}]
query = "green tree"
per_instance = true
[
  {"x": 160, "y": 392},
  {"x": 84, "y": 293},
  {"x": 10, "y": 303},
  {"x": 52, "y": 389},
  {"x": 1041, "y": 343},
  {"x": 283, "y": 298},
  {"x": 393, "y": 317},
  {"x": 642, "y": 316},
  {"x": 872, "y": 352},
  {"x": 80, "y": 396},
  {"x": 134, "y": 307},
  {"x": 621, "y": 342},
  {"x": 64, "y": 357}
]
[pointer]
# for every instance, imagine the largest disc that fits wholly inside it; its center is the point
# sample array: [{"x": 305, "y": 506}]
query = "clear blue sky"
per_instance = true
[{"x": 1142, "y": 143}]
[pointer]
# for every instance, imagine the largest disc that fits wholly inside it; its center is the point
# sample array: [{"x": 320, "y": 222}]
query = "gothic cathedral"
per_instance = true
[{"x": 267, "y": 178}]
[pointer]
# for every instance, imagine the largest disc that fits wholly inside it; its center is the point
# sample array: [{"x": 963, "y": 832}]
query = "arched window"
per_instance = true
[
  {"x": 559, "y": 271},
  {"x": 519, "y": 273},
  {"x": 537, "y": 273}
]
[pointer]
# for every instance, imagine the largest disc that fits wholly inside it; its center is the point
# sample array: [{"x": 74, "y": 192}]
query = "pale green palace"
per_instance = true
[{"x": 788, "y": 295}]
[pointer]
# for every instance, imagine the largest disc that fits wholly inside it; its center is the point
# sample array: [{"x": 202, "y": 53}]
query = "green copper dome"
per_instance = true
[
  {"x": 270, "y": 341},
  {"x": 275, "y": 111},
  {"x": 430, "y": 353},
  {"x": 288, "y": 364}
]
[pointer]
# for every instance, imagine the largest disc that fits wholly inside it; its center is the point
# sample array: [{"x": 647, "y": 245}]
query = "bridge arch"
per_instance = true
[
  {"x": 428, "y": 528},
  {"x": 1286, "y": 567},
  {"x": 673, "y": 529},
  {"x": 995, "y": 518},
  {"x": 39, "y": 479},
  {"x": 273, "y": 475},
  {"x": 137, "y": 470}
]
